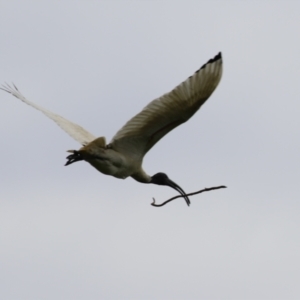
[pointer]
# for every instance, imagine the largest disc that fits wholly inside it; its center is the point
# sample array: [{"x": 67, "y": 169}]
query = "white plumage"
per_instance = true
[{"x": 123, "y": 156}]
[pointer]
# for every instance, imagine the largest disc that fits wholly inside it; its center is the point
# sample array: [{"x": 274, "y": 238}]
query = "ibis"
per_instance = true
[{"x": 123, "y": 156}]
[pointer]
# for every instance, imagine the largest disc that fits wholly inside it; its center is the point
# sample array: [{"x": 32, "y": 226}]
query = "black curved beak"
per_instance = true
[{"x": 176, "y": 187}]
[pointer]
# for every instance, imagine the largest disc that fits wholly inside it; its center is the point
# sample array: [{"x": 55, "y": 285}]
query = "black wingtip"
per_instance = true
[{"x": 217, "y": 57}]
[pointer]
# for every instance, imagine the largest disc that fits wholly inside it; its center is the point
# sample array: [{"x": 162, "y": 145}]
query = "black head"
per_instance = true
[{"x": 163, "y": 179}]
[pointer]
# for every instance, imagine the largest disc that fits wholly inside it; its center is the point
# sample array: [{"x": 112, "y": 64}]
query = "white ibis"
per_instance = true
[{"x": 123, "y": 156}]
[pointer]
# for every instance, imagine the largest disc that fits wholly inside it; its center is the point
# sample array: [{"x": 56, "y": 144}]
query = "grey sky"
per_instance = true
[{"x": 73, "y": 233}]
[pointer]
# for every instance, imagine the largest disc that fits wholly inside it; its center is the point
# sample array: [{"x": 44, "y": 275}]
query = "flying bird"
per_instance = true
[{"x": 123, "y": 156}]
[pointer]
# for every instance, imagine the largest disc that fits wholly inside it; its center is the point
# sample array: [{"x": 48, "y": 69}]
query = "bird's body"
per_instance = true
[
  {"x": 123, "y": 156},
  {"x": 109, "y": 161}
]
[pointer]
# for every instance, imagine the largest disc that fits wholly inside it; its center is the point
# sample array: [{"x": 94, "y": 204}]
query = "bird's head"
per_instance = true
[{"x": 163, "y": 179}]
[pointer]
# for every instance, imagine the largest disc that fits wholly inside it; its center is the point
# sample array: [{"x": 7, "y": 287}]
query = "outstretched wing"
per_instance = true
[
  {"x": 74, "y": 130},
  {"x": 162, "y": 115}
]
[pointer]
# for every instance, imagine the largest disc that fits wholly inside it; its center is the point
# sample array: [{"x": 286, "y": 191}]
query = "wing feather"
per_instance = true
[
  {"x": 74, "y": 130},
  {"x": 162, "y": 115}
]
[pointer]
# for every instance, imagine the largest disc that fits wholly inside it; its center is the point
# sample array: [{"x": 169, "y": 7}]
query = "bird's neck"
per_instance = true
[{"x": 141, "y": 176}]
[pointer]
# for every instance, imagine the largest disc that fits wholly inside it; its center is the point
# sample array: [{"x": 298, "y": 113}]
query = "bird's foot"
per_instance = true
[{"x": 76, "y": 156}]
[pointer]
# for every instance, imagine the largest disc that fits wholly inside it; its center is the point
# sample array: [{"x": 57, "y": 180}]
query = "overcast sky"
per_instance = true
[{"x": 74, "y": 233}]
